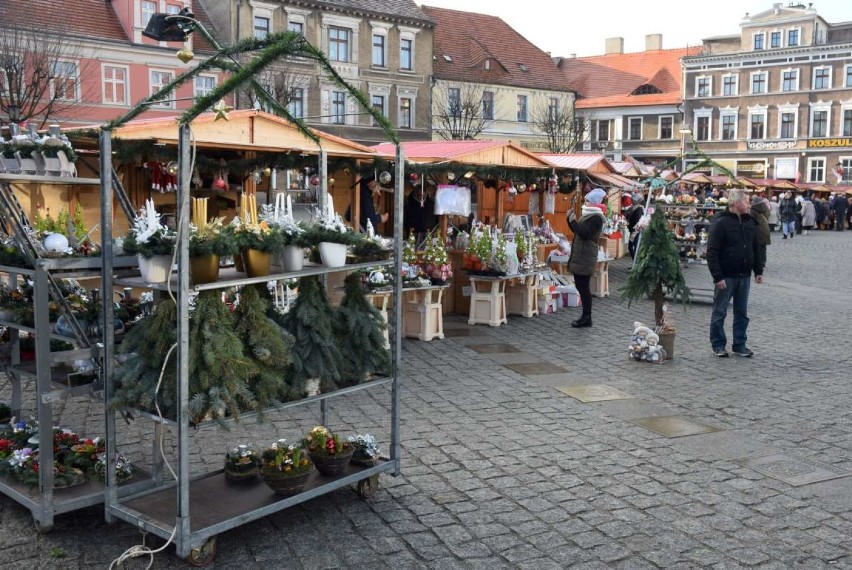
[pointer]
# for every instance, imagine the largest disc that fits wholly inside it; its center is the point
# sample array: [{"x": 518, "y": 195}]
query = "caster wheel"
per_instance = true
[
  {"x": 204, "y": 554},
  {"x": 368, "y": 487}
]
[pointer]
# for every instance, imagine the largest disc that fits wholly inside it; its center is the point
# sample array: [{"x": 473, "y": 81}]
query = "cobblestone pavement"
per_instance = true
[{"x": 502, "y": 470}]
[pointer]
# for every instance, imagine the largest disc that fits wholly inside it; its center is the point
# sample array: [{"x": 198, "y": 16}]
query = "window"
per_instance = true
[
  {"x": 666, "y": 127},
  {"x": 758, "y": 41},
  {"x": 729, "y": 85},
  {"x": 702, "y": 87},
  {"x": 816, "y": 170},
  {"x": 405, "y": 113},
  {"x": 297, "y": 27},
  {"x": 454, "y": 101},
  {"x": 204, "y": 84},
  {"x": 788, "y": 126},
  {"x": 635, "y": 128},
  {"x": 790, "y": 80},
  {"x": 793, "y": 37},
  {"x": 172, "y": 9},
  {"x": 758, "y": 82},
  {"x": 822, "y": 78},
  {"x": 845, "y": 170},
  {"x": 338, "y": 107},
  {"x": 702, "y": 128},
  {"x": 775, "y": 40},
  {"x": 552, "y": 108},
  {"x": 522, "y": 108},
  {"x": 261, "y": 27},
  {"x": 819, "y": 123},
  {"x": 296, "y": 104},
  {"x": 379, "y": 50},
  {"x": 378, "y": 103},
  {"x": 849, "y": 76},
  {"x": 757, "y": 126},
  {"x": 729, "y": 127},
  {"x": 603, "y": 130},
  {"x": 148, "y": 10},
  {"x": 406, "y": 49},
  {"x": 338, "y": 44},
  {"x": 488, "y": 105},
  {"x": 158, "y": 80},
  {"x": 847, "y": 122},
  {"x": 115, "y": 85},
  {"x": 65, "y": 80}
]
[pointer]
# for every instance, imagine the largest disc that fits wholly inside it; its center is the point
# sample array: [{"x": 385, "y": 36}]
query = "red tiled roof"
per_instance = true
[
  {"x": 439, "y": 150},
  {"x": 87, "y": 18},
  {"x": 609, "y": 80},
  {"x": 575, "y": 161},
  {"x": 469, "y": 39}
]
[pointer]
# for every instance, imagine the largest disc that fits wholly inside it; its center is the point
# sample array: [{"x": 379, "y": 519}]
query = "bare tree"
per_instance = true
[
  {"x": 459, "y": 113},
  {"x": 39, "y": 74},
  {"x": 554, "y": 122},
  {"x": 282, "y": 84}
]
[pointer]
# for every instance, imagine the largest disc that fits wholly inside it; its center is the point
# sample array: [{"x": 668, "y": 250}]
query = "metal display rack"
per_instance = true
[
  {"x": 47, "y": 368},
  {"x": 182, "y": 509}
]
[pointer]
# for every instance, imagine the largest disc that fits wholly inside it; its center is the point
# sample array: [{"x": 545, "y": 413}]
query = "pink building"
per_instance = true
[{"x": 110, "y": 65}]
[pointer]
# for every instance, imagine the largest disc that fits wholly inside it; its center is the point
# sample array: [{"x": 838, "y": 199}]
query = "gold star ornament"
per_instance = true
[{"x": 222, "y": 109}]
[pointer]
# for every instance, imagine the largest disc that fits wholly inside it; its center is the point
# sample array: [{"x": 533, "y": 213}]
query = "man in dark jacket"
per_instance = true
[
  {"x": 787, "y": 209},
  {"x": 732, "y": 256},
  {"x": 838, "y": 204}
]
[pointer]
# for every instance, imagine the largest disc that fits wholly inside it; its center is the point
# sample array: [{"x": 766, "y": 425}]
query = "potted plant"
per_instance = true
[
  {"x": 7, "y": 155},
  {"x": 285, "y": 468},
  {"x": 331, "y": 236},
  {"x": 153, "y": 243},
  {"x": 257, "y": 243},
  {"x": 436, "y": 259},
  {"x": 291, "y": 233},
  {"x": 657, "y": 272},
  {"x": 241, "y": 462},
  {"x": 24, "y": 149},
  {"x": 366, "y": 451},
  {"x": 328, "y": 451},
  {"x": 359, "y": 327},
  {"x": 208, "y": 243}
]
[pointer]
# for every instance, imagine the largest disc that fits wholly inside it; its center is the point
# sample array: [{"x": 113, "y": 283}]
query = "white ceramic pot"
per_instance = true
[
  {"x": 28, "y": 165},
  {"x": 292, "y": 258},
  {"x": 332, "y": 254},
  {"x": 155, "y": 269}
]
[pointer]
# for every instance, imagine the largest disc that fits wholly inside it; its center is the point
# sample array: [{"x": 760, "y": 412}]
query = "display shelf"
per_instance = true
[
  {"x": 32, "y": 330},
  {"x": 230, "y": 277},
  {"x": 237, "y": 502},
  {"x": 58, "y": 379},
  {"x": 55, "y": 180}
]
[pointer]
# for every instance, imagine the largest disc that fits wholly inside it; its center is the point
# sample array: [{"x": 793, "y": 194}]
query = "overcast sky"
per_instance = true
[{"x": 580, "y": 27}]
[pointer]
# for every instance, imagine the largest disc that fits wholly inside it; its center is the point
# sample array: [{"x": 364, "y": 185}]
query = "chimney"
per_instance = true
[
  {"x": 613, "y": 45},
  {"x": 653, "y": 42}
]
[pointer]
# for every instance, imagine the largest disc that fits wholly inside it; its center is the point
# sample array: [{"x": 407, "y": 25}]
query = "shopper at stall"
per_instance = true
[
  {"x": 788, "y": 208},
  {"x": 367, "y": 188},
  {"x": 417, "y": 213},
  {"x": 633, "y": 214},
  {"x": 732, "y": 256},
  {"x": 760, "y": 212},
  {"x": 838, "y": 205},
  {"x": 584, "y": 250},
  {"x": 808, "y": 216},
  {"x": 773, "y": 218}
]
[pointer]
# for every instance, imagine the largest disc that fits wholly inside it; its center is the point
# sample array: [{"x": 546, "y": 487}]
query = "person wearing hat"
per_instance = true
[
  {"x": 633, "y": 214},
  {"x": 367, "y": 188},
  {"x": 584, "y": 250}
]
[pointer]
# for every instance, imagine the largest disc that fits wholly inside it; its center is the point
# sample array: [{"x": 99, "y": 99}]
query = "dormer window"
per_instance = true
[
  {"x": 487, "y": 64},
  {"x": 793, "y": 37},
  {"x": 523, "y": 67},
  {"x": 646, "y": 89},
  {"x": 758, "y": 41}
]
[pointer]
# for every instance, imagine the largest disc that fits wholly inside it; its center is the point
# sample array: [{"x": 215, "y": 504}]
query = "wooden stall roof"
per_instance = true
[
  {"x": 578, "y": 161},
  {"x": 247, "y": 129},
  {"x": 475, "y": 152},
  {"x": 614, "y": 180}
]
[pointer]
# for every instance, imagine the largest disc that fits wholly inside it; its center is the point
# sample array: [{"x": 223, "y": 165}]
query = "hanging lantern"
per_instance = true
[{"x": 385, "y": 178}]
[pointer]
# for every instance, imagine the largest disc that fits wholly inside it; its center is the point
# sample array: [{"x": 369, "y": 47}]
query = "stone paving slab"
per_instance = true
[
  {"x": 792, "y": 470},
  {"x": 673, "y": 426}
]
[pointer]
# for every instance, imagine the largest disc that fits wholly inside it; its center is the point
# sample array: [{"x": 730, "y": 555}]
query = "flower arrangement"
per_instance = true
[
  {"x": 409, "y": 250},
  {"x": 372, "y": 247},
  {"x": 211, "y": 239},
  {"x": 290, "y": 232},
  {"x": 284, "y": 460},
  {"x": 685, "y": 199},
  {"x": 436, "y": 258},
  {"x": 23, "y": 145},
  {"x": 241, "y": 463},
  {"x": 330, "y": 227},
  {"x": 148, "y": 236},
  {"x": 499, "y": 260},
  {"x": 123, "y": 467},
  {"x": 260, "y": 236},
  {"x": 328, "y": 451},
  {"x": 366, "y": 450}
]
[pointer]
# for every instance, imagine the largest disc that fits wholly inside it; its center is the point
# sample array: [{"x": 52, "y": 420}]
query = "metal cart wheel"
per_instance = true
[
  {"x": 204, "y": 554},
  {"x": 368, "y": 487}
]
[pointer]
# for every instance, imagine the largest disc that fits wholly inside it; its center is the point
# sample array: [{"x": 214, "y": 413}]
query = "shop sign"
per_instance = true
[
  {"x": 749, "y": 167},
  {"x": 829, "y": 143},
  {"x": 771, "y": 145}
]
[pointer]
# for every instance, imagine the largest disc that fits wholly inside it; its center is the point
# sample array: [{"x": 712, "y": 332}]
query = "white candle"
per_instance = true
[
  {"x": 289, "y": 206},
  {"x": 370, "y": 231},
  {"x": 330, "y": 207}
]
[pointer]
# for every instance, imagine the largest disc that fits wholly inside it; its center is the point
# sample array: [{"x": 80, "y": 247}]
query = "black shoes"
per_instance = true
[
  {"x": 744, "y": 352},
  {"x": 720, "y": 352},
  {"x": 582, "y": 322}
]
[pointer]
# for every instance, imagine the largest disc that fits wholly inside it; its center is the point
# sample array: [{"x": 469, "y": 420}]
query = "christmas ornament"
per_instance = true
[
  {"x": 185, "y": 55},
  {"x": 222, "y": 109},
  {"x": 385, "y": 178},
  {"x": 56, "y": 243}
]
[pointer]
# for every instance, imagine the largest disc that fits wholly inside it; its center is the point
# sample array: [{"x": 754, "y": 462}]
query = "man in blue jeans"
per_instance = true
[{"x": 732, "y": 256}]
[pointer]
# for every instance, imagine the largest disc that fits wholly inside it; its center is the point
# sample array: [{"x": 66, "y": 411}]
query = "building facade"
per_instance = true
[
  {"x": 775, "y": 100},
  {"x": 106, "y": 65},
  {"x": 489, "y": 82},
  {"x": 631, "y": 103},
  {"x": 382, "y": 48}
]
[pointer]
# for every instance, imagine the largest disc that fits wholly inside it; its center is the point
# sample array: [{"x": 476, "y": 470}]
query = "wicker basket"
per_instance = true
[
  {"x": 332, "y": 465},
  {"x": 363, "y": 460},
  {"x": 240, "y": 473},
  {"x": 286, "y": 485}
]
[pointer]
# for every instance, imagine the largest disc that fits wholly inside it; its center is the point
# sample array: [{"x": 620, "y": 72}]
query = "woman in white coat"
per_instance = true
[{"x": 808, "y": 216}]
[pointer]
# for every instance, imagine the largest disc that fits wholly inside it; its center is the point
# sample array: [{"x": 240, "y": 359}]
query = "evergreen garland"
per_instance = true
[
  {"x": 219, "y": 370},
  {"x": 315, "y": 353},
  {"x": 144, "y": 349},
  {"x": 360, "y": 335},
  {"x": 268, "y": 344},
  {"x": 657, "y": 268}
]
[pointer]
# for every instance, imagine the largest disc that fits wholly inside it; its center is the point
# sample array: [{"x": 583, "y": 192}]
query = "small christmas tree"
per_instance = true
[
  {"x": 657, "y": 269},
  {"x": 266, "y": 343},
  {"x": 359, "y": 328},
  {"x": 316, "y": 354}
]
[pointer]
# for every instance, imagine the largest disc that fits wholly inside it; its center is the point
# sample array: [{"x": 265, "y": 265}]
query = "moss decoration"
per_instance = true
[
  {"x": 316, "y": 353},
  {"x": 656, "y": 269},
  {"x": 267, "y": 344},
  {"x": 360, "y": 335}
]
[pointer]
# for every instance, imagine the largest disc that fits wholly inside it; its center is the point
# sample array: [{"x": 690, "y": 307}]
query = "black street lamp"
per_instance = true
[{"x": 14, "y": 113}]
